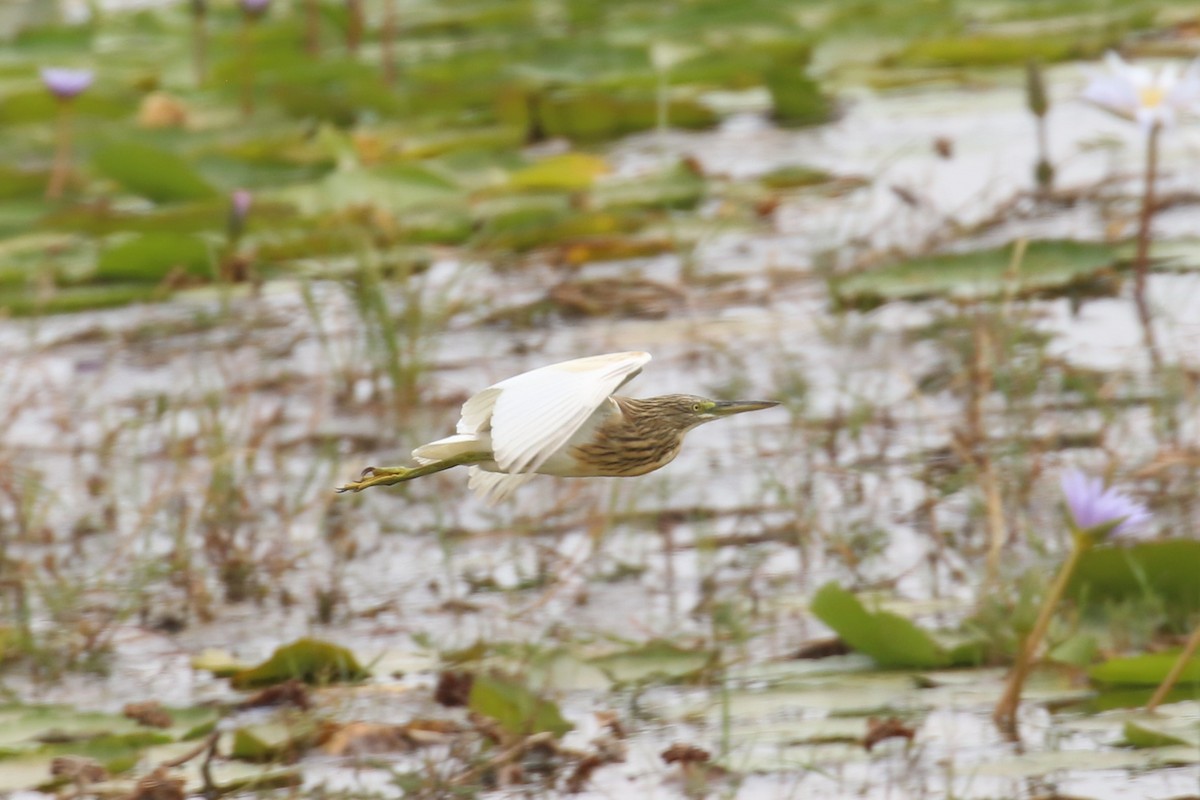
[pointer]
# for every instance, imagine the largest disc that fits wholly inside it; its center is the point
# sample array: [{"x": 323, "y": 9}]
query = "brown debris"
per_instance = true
[
  {"x": 680, "y": 753},
  {"x": 158, "y": 785},
  {"x": 633, "y": 297},
  {"x": 79, "y": 769},
  {"x": 887, "y": 728},
  {"x": 291, "y": 692},
  {"x": 375, "y": 738},
  {"x": 453, "y": 688},
  {"x": 162, "y": 110},
  {"x": 609, "y": 749},
  {"x": 150, "y": 713},
  {"x": 822, "y": 648}
]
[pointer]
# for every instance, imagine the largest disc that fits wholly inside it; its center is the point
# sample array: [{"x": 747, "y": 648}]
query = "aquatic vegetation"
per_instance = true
[{"x": 1094, "y": 513}]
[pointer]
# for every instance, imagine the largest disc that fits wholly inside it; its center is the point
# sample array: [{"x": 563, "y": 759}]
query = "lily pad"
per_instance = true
[
  {"x": 309, "y": 660},
  {"x": 515, "y": 707},
  {"x": 892, "y": 640},
  {"x": 1048, "y": 266},
  {"x": 567, "y": 172},
  {"x": 1148, "y": 669},
  {"x": 151, "y": 172},
  {"x": 1165, "y": 569},
  {"x": 655, "y": 660},
  {"x": 151, "y": 257}
]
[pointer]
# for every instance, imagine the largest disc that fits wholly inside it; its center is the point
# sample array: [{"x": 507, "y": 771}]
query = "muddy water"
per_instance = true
[{"x": 155, "y": 399}]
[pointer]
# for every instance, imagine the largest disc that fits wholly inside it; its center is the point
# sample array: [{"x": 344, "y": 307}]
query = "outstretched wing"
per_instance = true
[
  {"x": 495, "y": 486},
  {"x": 533, "y": 414}
]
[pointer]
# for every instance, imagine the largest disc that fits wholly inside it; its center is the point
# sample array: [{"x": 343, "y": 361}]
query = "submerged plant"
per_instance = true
[
  {"x": 65, "y": 85},
  {"x": 1154, "y": 100},
  {"x": 1094, "y": 514},
  {"x": 200, "y": 40},
  {"x": 252, "y": 11},
  {"x": 1039, "y": 103}
]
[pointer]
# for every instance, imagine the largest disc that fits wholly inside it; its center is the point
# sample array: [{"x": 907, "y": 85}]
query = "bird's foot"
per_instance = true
[{"x": 378, "y": 476}]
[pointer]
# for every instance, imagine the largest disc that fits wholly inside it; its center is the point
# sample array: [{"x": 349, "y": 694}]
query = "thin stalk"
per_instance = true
[
  {"x": 61, "y": 170},
  {"x": 200, "y": 45},
  {"x": 1142, "y": 259},
  {"x": 387, "y": 36},
  {"x": 1189, "y": 650},
  {"x": 662, "y": 109},
  {"x": 354, "y": 25},
  {"x": 247, "y": 66},
  {"x": 1005, "y": 713},
  {"x": 312, "y": 27}
]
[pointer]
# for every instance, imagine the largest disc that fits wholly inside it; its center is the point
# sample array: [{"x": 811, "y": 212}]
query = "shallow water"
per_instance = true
[{"x": 155, "y": 400}]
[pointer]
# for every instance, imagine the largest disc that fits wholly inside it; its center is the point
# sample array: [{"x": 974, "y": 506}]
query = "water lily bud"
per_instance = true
[
  {"x": 65, "y": 84},
  {"x": 1035, "y": 89},
  {"x": 255, "y": 8}
]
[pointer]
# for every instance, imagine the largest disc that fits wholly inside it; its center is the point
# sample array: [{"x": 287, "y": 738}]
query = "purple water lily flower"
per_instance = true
[
  {"x": 67, "y": 83},
  {"x": 1100, "y": 510},
  {"x": 255, "y": 7},
  {"x": 240, "y": 201}
]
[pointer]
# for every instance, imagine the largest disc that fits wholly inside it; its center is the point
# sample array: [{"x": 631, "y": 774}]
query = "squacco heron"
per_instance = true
[{"x": 561, "y": 420}]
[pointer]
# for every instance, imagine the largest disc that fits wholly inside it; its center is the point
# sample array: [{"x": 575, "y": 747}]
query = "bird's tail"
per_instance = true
[{"x": 452, "y": 447}]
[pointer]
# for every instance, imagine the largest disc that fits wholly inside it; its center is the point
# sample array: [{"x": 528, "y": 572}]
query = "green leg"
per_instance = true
[{"x": 388, "y": 476}]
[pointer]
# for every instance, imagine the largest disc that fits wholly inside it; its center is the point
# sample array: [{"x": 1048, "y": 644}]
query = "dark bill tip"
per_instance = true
[{"x": 726, "y": 408}]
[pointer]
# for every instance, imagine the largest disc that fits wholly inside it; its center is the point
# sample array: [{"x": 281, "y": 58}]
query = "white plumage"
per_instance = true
[{"x": 529, "y": 421}]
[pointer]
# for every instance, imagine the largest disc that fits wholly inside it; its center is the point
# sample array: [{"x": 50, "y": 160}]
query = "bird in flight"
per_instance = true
[{"x": 563, "y": 419}]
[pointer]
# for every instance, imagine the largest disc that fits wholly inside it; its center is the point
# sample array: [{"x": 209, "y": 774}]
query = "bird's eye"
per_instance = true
[{"x": 696, "y": 407}]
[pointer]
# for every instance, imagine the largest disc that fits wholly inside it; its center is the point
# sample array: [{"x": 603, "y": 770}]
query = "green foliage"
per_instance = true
[
  {"x": 1148, "y": 669},
  {"x": 1049, "y": 267},
  {"x": 309, "y": 660},
  {"x": 891, "y": 640},
  {"x": 1165, "y": 570},
  {"x": 657, "y": 659},
  {"x": 154, "y": 173},
  {"x": 151, "y": 257},
  {"x": 796, "y": 98},
  {"x": 515, "y": 707},
  {"x": 27, "y": 302}
]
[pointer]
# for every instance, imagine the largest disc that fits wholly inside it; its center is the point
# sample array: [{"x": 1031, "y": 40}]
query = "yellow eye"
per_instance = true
[{"x": 696, "y": 408}]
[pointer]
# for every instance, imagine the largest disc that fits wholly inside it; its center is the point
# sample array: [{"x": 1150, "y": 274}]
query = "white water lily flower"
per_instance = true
[{"x": 1151, "y": 98}]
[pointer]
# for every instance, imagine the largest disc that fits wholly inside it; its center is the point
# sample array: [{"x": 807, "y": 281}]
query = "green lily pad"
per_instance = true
[
  {"x": 515, "y": 707},
  {"x": 1149, "y": 669},
  {"x": 1049, "y": 266},
  {"x": 566, "y": 172},
  {"x": 1161, "y": 733},
  {"x": 892, "y": 640},
  {"x": 151, "y": 257},
  {"x": 154, "y": 173},
  {"x": 1113, "y": 573},
  {"x": 655, "y": 660},
  {"x": 309, "y": 660},
  {"x": 30, "y": 302}
]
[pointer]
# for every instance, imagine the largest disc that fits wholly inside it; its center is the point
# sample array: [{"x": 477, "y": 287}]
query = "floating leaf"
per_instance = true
[
  {"x": 568, "y": 172},
  {"x": 892, "y": 640},
  {"x": 157, "y": 174},
  {"x": 309, "y": 660},
  {"x": 1164, "y": 569},
  {"x": 151, "y": 257},
  {"x": 24, "y": 303},
  {"x": 220, "y": 663},
  {"x": 657, "y": 659},
  {"x": 516, "y": 708},
  {"x": 1145, "y": 670},
  {"x": 1047, "y": 266},
  {"x": 1161, "y": 733}
]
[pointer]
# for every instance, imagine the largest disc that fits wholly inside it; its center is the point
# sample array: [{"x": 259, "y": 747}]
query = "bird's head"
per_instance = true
[{"x": 686, "y": 411}]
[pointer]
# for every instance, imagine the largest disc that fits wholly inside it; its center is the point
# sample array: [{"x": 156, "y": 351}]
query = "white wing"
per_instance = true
[
  {"x": 494, "y": 486},
  {"x": 533, "y": 414}
]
